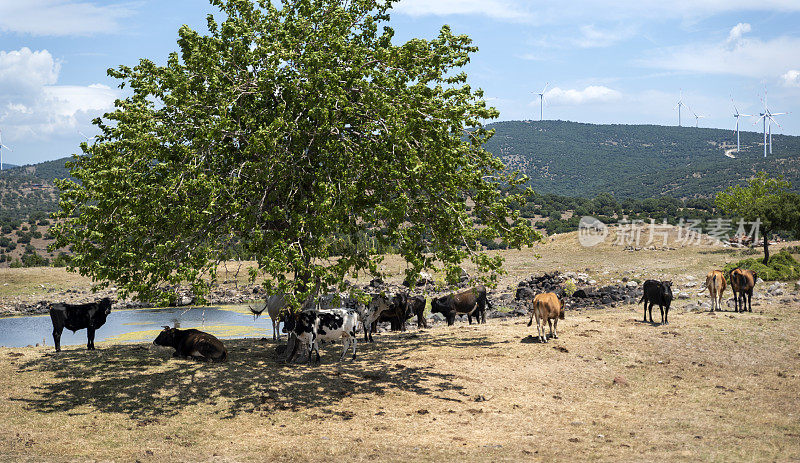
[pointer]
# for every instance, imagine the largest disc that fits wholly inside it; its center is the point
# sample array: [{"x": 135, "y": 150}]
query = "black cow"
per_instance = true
[
  {"x": 192, "y": 343},
  {"x": 472, "y": 301},
  {"x": 416, "y": 306},
  {"x": 657, "y": 292},
  {"x": 397, "y": 314},
  {"x": 77, "y": 317}
]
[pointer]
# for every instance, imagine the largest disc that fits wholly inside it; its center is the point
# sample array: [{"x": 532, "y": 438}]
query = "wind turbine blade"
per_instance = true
[
  {"x": 6, "y": 147},
  {"x": 776, "y": 122},
  {"x": 777, "y": 114},
  {"x": 545, "y": 87}
]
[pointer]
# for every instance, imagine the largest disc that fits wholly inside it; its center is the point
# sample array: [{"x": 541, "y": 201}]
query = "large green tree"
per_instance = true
[
  {"x": 765, "y": 200},
  {"x": 296, "y": 134}
]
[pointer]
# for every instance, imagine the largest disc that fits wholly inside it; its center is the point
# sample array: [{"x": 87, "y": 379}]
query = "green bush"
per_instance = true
[{"x": 782, "y": 266}]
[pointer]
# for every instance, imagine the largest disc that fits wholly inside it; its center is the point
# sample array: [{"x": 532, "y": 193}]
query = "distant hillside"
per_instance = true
[
  {"x": 637, "y": 161},
  {"x": 46, "y": 171},
  {"x": 26, "y": 190}
]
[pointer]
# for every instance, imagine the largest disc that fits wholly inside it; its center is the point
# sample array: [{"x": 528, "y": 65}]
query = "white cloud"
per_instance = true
[
  {"x": 791, "y": 78},
  {"x": 593, "y": 37},
  {"x": 738, "y": 31},
  {"x": 590, "y": 94},
  {"x": 31, "y": 102},
  {"x": 507, "y": 10},
  {"x": 750, "y": 57},
  {"x": 62, "y": 17},
  {"x": 24, "y": 70}
]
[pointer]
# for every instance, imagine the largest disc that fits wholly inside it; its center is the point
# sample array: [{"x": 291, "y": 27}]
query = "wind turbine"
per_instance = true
[
  {"x": 678, "y": 107},
  {"x": 737, "y": 116},
  {"x": 767, "y": 120},
  {"x": 541, "y": 101},
  {"x": 1, "y": 150},
  {"x": 696, "y": 118}
]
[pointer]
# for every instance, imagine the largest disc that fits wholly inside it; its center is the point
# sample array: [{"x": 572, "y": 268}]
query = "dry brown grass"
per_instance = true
[
  {"x": 721, "y": 387},
  {"x": 718, "y": 387}
]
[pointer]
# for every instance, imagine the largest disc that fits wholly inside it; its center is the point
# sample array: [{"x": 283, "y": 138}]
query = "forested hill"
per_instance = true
[
  {"x": 45, "y": 171},
  {"x": 637, "y": 161}
]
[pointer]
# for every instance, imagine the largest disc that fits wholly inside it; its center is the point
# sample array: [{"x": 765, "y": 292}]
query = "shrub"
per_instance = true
[{"x": 782, "y": 266}]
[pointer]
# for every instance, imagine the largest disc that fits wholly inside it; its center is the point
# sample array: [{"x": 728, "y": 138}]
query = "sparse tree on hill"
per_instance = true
[
  {"x": 284, "y": 133},
  {"x": 764, "y": 199}
]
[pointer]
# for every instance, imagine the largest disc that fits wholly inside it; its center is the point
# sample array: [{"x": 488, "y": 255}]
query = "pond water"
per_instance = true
[{"x": 140, "y": 325}]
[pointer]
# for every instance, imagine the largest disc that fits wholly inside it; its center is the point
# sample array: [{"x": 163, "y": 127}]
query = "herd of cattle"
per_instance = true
[{"x": 329, "y": 323}]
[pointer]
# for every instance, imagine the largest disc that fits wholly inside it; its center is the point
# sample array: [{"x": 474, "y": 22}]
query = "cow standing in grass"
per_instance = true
[
  {"x": 715, "y": 282},
  {"x": 657, "y": 292},
  {"x": 77, "y": 317},
  {"x": 312, "y": 326},
  {"x": 469, "y": 302},
  {"x": 742, "y": 283},
  {"x": 546, "y": 306}
]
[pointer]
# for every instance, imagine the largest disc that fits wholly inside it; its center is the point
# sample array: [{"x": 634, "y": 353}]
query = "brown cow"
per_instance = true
[
  {"x": 715, "y": 282},
  {"x": 742, "y": 283},
  {"x": 547, "y": 306},
  {"x": 471, "y": 301}
]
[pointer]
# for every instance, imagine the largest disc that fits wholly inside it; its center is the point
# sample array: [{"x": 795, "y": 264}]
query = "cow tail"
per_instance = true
[{"x": 642, "y": 299}]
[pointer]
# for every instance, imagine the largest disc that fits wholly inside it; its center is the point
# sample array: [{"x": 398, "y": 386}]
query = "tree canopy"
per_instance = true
[
  {"x": 765, "y": 200},
  {"x": 298, "y": 135}
]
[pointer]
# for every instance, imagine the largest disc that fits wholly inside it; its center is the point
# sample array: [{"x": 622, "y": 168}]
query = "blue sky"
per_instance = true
[{"x": 606, "y": 62}]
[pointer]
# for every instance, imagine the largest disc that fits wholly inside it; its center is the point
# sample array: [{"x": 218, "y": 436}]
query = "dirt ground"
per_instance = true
[
  {"x": 708, "y": 386},
  {"x": 721, "y": 387}
]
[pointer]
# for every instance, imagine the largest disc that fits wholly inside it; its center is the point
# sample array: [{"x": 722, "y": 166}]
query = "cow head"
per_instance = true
[
  {"x": 105, "y": 305},
  {"x": 666, "y": 291},
  {"x": 166, "y": 337},
  {"x": 289, "y": 320},
  {"x": 440, "y": 305}
]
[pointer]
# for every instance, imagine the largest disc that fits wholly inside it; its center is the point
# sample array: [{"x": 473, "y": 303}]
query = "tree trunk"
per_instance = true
[{"x": 766, "y": 249}]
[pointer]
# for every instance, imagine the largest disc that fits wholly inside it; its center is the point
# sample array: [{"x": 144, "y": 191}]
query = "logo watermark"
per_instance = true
[{"x": 638, "y": 232}]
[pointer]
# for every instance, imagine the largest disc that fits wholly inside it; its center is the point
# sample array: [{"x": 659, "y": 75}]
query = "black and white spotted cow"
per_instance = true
[{"x": 312, "y": 326}]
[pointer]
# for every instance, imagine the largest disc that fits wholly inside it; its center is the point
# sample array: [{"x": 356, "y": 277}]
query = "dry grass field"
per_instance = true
[{"x": 708, "y": 386}]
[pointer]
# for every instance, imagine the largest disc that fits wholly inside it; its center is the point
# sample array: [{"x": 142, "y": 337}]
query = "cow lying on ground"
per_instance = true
[
  {"x": 192, "y": 343},
  {"x": 657, "y": 292},
  {"x": 546, "y": 307},
  {"x": 742, "y": 283},
  {"x": 76, "y": 317},
  {"x": 469, "y": 301},
  {"x": 715, "y": 282},
  {"x": 312, "y": 326}
]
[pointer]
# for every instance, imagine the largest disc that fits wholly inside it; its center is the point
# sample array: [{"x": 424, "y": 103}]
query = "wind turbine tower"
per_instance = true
[
  {"x": 696, "y": 118},
  {"x": 678, "y": 107},
  {"x": 767, "y": 119},
  {"x": 541, "y": 101},
  {"x": 1, "y": 150},
  {"x": 737, "y": 116}
]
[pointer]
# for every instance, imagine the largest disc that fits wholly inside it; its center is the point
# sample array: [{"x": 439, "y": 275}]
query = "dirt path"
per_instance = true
[{"x": 718, "y": 386}]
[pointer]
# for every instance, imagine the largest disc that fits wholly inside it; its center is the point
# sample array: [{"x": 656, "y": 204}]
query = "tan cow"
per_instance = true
[
  {"x": 546, "y": 306},
  {"x": 742, "y": 283},
  {"x": 715, "y": 282}
]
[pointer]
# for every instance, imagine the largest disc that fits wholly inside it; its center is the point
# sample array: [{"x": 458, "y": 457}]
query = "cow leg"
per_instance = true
[
  {"x": 750, "y": 301},
  {"x": 353, "y": 342},
  {"x": 555, "y": 328},
  {"x": 346, "y": 345},
  {"x": 274, "y": 330},
  {"x": 550, "y": 324},
  {"x": 451, "y": 319},
  {"x": 666, "y": 315},
  {"x": 645, "y": 311},
  {"x": 57, "y": 338},
  {"x": 90, "y": 335},
  {"x": 661, "y": 309}
]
